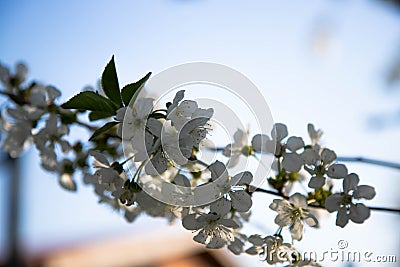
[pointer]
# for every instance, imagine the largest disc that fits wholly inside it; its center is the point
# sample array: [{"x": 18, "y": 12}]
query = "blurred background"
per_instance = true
[{"x": 335, "y": 63}]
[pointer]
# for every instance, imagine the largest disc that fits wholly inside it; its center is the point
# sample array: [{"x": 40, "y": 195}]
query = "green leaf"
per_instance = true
[
  {"x": 103, "y": 129},
  {"x": 89, "y": 100},
  {"x": 98, "y": 115},
  {"x": 109, "y": 83},
  {"x": 129, "y": 90}
]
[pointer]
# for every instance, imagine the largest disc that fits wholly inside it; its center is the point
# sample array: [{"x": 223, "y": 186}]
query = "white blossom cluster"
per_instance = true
[
  {"x": 35, "y": 118},
  {"x": 164, "y": 144}
]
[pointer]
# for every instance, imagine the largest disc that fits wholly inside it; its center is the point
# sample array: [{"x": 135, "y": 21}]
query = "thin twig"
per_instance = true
[
  {"x": 365, "y": 160},
  {"x": 384, "y": 209},
  {"x": 370, "y": 161},
  {"x": 200, "y": 162},
  {"x": 275, "y": 193},
  {"x": 84, "y": 124},
  {"x": 215, "y": 148}
]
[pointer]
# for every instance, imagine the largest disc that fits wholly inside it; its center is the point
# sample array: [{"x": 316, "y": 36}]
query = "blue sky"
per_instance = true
[{"x": 338, "y": 86}]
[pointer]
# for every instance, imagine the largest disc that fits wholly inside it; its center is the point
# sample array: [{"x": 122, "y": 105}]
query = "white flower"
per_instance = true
[
  {"x": 189, "y": 120},
  {"x": 11, "y": 81},
  {"x": 211, "y": 229},
  {"x": 47, "y": 139},
  {"x": 167, "y": 148},
  {"x": 18, "y": 127},
  {"x": 41, "y": 96},
  {"x": 172, "y": 145},
  {"x": 185, "y": 111},
  {"x": 315, "y": 135},
  {"x": 319, "y": 162},
  {"x": 18, "y": 137},
  {"x": 239, "y": 147},
  {"x": 178, "y": 97},
  {"x": 343, "y": 202},
  {"x": 134, "y": 120},
  {"x": 292, "y": 212},
  {"x": 111, "y": 176},
  {"x": 291, "y": 161},
  {"x": 233, "y": 188}
]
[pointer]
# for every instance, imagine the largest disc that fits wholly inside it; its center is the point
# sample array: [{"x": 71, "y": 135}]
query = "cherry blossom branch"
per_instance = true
[
  {"x": 84, "y": 124},
  {"x": 384, "y": 209},
  {"x": 275, "y": 193},
  {"x": 20, "y": 101},
  {"x": 370, "y": 161},
  {"x": 365, "y": 160}
]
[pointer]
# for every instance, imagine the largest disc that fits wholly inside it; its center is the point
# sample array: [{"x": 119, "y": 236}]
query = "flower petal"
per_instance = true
[
  {"x": 241, "y": 200},
  {"x": 99, "y": 157},
  {"x": 309, "y": 156},
  {"x": 333, "y": 202},
  {"x": 296, "y": 230},
  {"x": 315, "y": 135},
  {"x": 278, "y": 204},
  {"x": 359, "y": 213},
  {"x": 327, "y": 156},
  {"x": 182, "y": 180},
  {"x": 283, "y": 219},
  {"x": 222, "y": 206},
  {"x": 316, "y": 181},
  {"x": 243, "y": 178},
  {"x": 201, "y": 237},
  {"x": 253, "y": 250},
  {"x": 256, "y": 240},
  {"x": 229, "y": 223},
  {"x": 259, "y": 143},
  {"x": 187, "y": 108},
  {"x": 337, "y": 171},
  {"x": 364, "y": 191},
  {"x": 240, "y": 138},
  {"x": 178, "y": 97},
  {"x": 236, "y": 246},
  {"x": 203, "y": 113},
  {"x": 279, "y": 132},
  {"x": 216, "y": 242},
  {"x": 190, "y": 222},
  {"x": 154, "y": 126},
  {"x": 227, "y": 152},
  {"x": 233, "y": 161},
  {"x": 292, "y": 162},
  {"x": 298, "y": 200},
  {"x": 294, "y": 143},
  {"x": 310, "y": 220},
  {"x": 157, "y": 165},
  {"x": 218, "y": 170},
  {"x": 342, "y": 217},
  {"x": 350, "y": 182}
]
